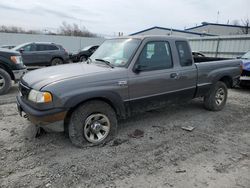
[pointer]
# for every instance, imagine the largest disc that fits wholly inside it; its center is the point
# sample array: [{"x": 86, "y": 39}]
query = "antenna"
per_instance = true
[{"x": 217, "y": 20}]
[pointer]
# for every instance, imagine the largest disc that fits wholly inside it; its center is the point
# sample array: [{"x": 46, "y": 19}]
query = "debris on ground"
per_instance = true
[
  {"x": 136, "y": 134},
  {"x": 188, "y": 128},
  {"x": 118, "y": 142},
  {"x": 180, "y": 171}
]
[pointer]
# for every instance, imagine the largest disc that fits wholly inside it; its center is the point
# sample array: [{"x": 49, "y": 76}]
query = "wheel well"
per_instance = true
[
  {"x": 67, "y": 119},
  {"x": 227, "y": 80},
  {"x": 8, "y": 71},
  {"x": 56, "y": 58},
  {"x": 83, "y": 55}
]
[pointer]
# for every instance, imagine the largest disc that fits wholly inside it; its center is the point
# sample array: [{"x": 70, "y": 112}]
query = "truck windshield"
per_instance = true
[{"x": 116, "y": 51}]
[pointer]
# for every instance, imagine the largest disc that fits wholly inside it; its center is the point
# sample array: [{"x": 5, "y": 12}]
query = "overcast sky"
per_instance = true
[{"x": 128, "y": 16}]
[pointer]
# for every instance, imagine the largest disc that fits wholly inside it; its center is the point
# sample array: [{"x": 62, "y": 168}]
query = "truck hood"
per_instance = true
[
  {"x": 7, "y": 53},
  {"x": 41, "y": 77}
]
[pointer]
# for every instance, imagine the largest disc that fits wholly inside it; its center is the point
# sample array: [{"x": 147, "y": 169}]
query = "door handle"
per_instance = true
[
  {"x": 122, "y": 83},
  {"x": 174, "y": 75}
]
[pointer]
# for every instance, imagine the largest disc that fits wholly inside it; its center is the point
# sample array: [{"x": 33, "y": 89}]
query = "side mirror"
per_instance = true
[
  {"x": 21, "y": 50},
  {"x": 137, "y": 68}
]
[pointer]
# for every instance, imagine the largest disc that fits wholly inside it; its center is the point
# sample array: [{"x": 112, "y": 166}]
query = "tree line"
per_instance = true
[{"x": 65, "y": 29}]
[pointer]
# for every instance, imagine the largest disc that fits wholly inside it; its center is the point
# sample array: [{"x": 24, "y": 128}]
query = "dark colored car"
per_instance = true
[
  {"x": 11, "y": 68},
  {"x": 8, "y": 46},
  {"x": 42, "y": 54},
  {"x": 198, "y": 54},
  {"x": 123, "y": 77},
  {"x": 83, "y": 54}
]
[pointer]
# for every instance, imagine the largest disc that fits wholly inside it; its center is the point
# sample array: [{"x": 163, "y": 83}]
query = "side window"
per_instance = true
[
  {"x": 184, "y": 53},
  {"x": 51, "y": 47},
  {"x": 41, "y": 47},
  {"x": 155, "y": 55},
  {"x": 29, "y": 48}
]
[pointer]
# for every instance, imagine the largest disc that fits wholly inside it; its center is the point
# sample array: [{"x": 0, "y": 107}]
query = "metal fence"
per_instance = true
[
  {"x": 71, "y": 44},
  {"x": 222, "y": 46}
]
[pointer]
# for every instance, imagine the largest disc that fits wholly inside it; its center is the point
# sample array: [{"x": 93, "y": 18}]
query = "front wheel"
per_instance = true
[
  {"x": 56, "y": 61},
  {"x": 5, "y": 82},
  {"x": 216, "y": 98},
  {"x": 93, "y": 122}
]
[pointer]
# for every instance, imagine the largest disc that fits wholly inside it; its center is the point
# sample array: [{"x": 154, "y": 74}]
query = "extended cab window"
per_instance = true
[
  {"x": 184, "y": 53},
  {"x": 155, "y": 55}
]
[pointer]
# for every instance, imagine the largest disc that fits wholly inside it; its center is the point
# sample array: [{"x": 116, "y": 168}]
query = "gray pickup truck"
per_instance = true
[{"x": 123, "y": 77}]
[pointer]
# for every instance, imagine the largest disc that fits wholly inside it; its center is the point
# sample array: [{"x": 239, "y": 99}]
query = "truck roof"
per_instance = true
[{"x": 154, "y": 37}]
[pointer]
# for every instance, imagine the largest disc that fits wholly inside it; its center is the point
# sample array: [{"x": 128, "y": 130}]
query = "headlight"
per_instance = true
[
  {"x": 16, "y": 59},
  {"x": 40, "y": 97}
]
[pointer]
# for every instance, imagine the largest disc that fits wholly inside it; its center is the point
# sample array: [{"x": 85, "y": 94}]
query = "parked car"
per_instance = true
[
  {"x": 11, "y": 68},
  {"x": 123, "y": 77},
  {"x": 245, "y": 75},
  {"x": 42, "y": 54},
  {"x": 7, "y": 46},
  {"x": 197, "y": 54},
  {"x": 83, "y": 54}
]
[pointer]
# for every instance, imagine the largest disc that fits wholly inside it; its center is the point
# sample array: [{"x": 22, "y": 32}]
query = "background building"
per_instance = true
[
  {"x": 168, "y": 31},
  {"x": 219, "y": 29}
]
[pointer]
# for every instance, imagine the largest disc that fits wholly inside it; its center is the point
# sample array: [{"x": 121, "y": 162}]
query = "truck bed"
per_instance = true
[
  {"x": 206, "y": 59},
  {"x": 211, "y": 70}
]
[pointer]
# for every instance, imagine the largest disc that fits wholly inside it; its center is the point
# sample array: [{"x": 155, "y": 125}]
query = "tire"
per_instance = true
[
  {"x": 91, "y": 121},
  {"x": 56, "y": 61},
  {"x": 5, "y": 82},
  {"x": 83, "y": 58},
  {"x": 216, "y": 98}
]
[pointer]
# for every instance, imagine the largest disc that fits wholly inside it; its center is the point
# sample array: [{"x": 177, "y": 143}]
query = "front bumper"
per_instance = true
[
  {"x": 19, "y": 73},
  {"x": 53, "y": 118},
  {"x": 245, "y": 78}
]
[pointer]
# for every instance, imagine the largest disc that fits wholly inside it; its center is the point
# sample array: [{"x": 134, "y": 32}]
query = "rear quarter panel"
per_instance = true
[{"x": 211, "y": 72}]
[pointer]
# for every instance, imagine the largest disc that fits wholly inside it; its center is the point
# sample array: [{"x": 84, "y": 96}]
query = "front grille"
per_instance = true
[
  {"x": 25, "y": 90},
  {"x": 245, "y": 73}
]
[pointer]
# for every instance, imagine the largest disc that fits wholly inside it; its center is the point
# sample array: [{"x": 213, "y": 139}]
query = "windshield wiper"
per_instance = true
[{"x": 106, "y": 62}]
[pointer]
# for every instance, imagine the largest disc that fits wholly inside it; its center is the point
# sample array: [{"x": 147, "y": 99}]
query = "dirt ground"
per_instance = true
[{"x": 215, "y": 154}]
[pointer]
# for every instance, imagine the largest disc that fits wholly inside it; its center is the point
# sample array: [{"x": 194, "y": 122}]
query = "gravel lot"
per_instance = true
[{"x": 215, "y": 154}]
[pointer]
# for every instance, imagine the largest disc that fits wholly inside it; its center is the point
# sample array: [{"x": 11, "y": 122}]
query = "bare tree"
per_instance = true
[
  {"x": 65, "y": 29},
  {"x": 246, "y": 26},
  {"x": 74, "y": 30},
  {"x": 15, "y": 29}
]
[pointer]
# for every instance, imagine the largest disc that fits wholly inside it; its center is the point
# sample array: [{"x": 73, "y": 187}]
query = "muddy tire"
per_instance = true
[
  {"x": 56, "y": 61},
  {"x": 216, "y": 99},
  {"x": 92, "y": 123},
  {"x": 5, "y": 82}
]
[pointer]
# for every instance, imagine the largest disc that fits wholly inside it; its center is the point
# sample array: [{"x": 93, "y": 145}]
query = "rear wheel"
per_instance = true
[
  {"x": 216, "y": 99},
  {"x": 5, "y": 81},
  {"x": 83, "y": 58},
  {"x": 56, "y": 61},
  {"x": 93, "y": 122}
]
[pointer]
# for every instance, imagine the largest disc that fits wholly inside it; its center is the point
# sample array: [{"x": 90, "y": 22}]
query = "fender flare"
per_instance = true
[{"x": 112, "y": 98}]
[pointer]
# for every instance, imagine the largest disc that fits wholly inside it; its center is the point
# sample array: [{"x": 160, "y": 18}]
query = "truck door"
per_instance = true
[
  {"x": 152, "y": 81},
  {"x": 186, "y": 77}
]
